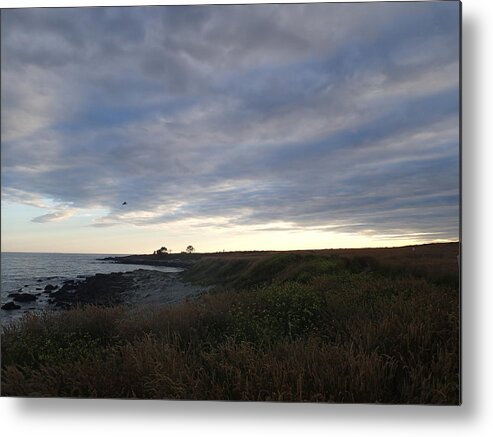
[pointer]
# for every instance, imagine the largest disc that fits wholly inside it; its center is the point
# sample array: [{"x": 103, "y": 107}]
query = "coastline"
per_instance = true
[
  {"x": 155, "y": 260},
  {"x": 139, "y": 288}
]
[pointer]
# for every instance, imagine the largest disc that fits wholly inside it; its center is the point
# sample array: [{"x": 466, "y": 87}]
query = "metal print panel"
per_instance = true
[{"x": 242, "y": 202}]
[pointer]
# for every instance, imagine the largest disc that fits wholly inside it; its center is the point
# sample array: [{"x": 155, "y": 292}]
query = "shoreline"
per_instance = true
[
  {"x": 154, "y": 260},
  {"x": 137, "y": 288}
]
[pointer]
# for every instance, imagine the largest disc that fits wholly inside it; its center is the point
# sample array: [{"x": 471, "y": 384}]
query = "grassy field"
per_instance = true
[{"x": 366, "y": 325}]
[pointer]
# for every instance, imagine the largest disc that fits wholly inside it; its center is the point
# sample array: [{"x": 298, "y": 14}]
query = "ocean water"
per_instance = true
[{"x": 31, "y": 272}]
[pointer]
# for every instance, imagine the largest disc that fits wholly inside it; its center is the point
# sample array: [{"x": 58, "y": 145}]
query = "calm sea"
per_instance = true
[{"x": 31, "y": 272}]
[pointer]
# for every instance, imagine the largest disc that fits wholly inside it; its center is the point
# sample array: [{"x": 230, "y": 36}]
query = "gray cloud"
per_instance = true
[{"x": 329, "y": 116}]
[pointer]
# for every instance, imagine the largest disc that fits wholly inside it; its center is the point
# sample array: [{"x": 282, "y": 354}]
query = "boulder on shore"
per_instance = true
[
  {"x": 24, "y": 297},
  {"x": 10, "y": 306},
  {"x": 100, "y": 289},
  {"x": 50, "y": 287}
]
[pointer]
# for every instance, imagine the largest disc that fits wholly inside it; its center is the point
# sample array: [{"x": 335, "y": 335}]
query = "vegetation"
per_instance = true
[
  {"x": 161, "y": 251},
  {"x": 278, "y": 327}
]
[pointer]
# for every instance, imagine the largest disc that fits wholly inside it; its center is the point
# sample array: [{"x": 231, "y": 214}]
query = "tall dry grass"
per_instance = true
[{"x": 300, "y": 328}]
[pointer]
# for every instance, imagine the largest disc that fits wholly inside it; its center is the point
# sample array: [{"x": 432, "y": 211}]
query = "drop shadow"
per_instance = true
[{"x": 471, "y": 229}]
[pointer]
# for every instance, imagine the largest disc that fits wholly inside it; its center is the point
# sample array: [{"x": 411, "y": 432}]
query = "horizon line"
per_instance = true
[{"x": 243, "y": 251}]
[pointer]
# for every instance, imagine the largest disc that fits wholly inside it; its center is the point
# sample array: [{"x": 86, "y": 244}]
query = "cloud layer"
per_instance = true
[{"x": 323, "y": 116}]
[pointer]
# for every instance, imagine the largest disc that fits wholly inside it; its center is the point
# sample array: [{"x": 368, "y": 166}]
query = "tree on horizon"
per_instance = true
[{"x": 161, "y": 251}]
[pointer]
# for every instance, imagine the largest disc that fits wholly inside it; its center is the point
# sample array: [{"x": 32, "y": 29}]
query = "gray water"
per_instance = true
[{"x": 31, "y": 272}]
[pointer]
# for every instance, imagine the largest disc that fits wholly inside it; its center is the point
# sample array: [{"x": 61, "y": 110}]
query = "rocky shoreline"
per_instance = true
[
  {"x": 101, "y": 289},
  {"x": 136, "y": 288}
]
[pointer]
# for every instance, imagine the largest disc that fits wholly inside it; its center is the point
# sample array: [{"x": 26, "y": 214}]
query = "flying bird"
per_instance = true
[{"x": 124, "y": 203}]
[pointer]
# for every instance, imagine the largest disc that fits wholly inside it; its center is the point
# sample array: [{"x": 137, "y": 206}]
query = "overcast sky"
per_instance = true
[{"x": 230, "y": 127}]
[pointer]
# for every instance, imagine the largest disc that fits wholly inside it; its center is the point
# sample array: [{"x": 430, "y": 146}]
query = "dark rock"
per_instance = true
[
  {"x": 50, "y": 287},
  {"x": 24, "y": 297},
  {"x": 67, "y": 287},
  {"x": 10, "y": 306},
  {"x": 100, "y": 289}
]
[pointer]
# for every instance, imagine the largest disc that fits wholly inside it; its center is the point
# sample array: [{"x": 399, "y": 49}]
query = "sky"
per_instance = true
[{"x": 254, "y": 127}]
